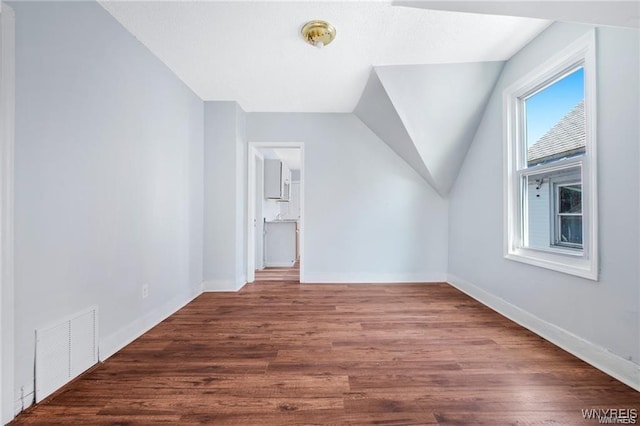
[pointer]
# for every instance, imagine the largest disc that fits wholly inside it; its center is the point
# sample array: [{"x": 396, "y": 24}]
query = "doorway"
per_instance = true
[{"x": 275, "y": 217}]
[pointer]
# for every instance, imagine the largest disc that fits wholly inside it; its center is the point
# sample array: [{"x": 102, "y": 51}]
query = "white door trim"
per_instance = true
[
  {"x": 258, "y": 159},
  {"x": 7, "y": 147},
  {"x": 251, "y": 194}
]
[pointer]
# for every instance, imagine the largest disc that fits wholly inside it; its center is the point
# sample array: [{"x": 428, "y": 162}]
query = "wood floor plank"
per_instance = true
[{"x": 279, "y": 352}]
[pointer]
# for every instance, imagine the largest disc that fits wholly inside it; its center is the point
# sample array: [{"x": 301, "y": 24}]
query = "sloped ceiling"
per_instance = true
[
  {"x": 252, "y": 52},
  {"x": 439, "y": 108},
  {"x": 440, "y": 105},
  {"x": 376, "y": 110},
  {"x": 617, "y": 13}
]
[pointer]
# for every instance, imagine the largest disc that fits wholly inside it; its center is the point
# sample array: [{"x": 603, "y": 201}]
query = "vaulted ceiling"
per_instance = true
[
  {"x": 608, "y": 12},
  {"x": 417, "y": 73},
  {"x": 253, "y": 53}
]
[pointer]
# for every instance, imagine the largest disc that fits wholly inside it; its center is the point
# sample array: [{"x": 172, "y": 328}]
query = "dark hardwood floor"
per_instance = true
[{"x": 279, "y": 353}]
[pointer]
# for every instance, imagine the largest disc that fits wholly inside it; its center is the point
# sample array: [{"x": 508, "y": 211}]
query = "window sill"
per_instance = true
[
  {"x": 561, "y": 262},
  {"x": 553, "y": 251}
]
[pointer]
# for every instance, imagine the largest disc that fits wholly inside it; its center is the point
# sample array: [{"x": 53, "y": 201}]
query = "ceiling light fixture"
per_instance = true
[{"x": 318, "y": 33}]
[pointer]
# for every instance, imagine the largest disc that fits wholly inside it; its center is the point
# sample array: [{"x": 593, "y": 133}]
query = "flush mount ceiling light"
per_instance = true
[{"x": 318, "y": 33}]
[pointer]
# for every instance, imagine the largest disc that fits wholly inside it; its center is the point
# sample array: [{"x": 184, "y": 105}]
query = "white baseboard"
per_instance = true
[
  {"x": 356, "y": 278},
  {"x": 24, "y": 397},
  {"x": 222, "y": 285},
  {"x": 617, "y": 367},
  {"x": 278, "y": 264},
  {"x": 121, "y": 338},
  {"x": 241, "y": 281}
]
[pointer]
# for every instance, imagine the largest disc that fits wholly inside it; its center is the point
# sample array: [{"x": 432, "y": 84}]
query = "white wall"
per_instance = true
[
  {"x": 108, "y": 179},
  {"x": 7, "y": 124},
  {"x": 368, "y": 215},
  {"x": 291, "y": 209},
  {"x": 225, "y": 196},
  {"x": 603, "y": 315},
  {"x": 270, "y": 208}
]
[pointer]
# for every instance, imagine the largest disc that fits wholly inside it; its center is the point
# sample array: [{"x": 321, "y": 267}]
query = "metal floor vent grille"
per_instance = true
[{"x": 64, "y": 350}]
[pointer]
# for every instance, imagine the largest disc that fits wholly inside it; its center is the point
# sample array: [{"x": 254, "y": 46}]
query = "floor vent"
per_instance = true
[{"x": 64, "y": 350}]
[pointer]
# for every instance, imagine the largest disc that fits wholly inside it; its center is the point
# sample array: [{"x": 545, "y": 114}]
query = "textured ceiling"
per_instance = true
[{"x": 252, "y": 52}]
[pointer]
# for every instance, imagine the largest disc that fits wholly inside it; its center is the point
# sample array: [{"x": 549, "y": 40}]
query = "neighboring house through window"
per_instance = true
[
  {"x": 550, "y": 175},
  {"x": 554, "y": 201}
]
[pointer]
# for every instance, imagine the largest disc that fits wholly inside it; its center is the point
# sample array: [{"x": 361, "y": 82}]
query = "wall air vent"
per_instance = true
[{"x": 64, "y": 350}]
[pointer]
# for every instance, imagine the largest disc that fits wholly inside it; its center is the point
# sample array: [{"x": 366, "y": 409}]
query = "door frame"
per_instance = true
[
  {"x": 258, "y": 158},
  {"x": 7, "y": 156},
  {"x": 252, "y": 152}
]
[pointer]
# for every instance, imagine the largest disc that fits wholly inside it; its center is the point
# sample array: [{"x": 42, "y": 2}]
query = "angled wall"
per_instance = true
[
  {"x": 441, "y": 106},
  {"x": 598, "y": 321},
  {"x": 428, "y": 114},
  {"x": 376, "y": 110}
]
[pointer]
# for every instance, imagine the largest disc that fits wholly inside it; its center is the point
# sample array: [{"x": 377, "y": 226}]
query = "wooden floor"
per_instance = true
[
  {"x": 279, "y": 353},
  {"x": 279, "y": 274}
]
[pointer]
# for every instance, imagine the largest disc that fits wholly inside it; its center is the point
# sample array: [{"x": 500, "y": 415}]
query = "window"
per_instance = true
[
  {"x": 568, "y": 230},
  {"x": 550, "y": 173}
]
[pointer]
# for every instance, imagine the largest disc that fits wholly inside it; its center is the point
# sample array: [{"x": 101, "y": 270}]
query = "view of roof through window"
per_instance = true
[{"x": 555, "y": 121}]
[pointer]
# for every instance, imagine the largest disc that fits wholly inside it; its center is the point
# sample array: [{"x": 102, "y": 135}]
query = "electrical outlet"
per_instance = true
[{"x": 145, "y": 291}]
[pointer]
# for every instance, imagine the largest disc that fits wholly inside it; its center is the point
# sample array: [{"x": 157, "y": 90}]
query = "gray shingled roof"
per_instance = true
[{"x": 566, "y": 138}]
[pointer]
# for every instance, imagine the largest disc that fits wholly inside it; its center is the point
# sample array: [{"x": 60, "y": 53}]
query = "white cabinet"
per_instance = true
[
  {"x": 280, "y": 243},
  {"x": 272, "y": 179},
  {"x": 277, "y": 180}
]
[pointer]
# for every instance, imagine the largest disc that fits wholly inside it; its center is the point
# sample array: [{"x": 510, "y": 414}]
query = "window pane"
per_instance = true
[
  {"x": 555, "y": 121},
  {"x": 571, "y": 229},
  {"x": 549, "y": 198},
  {"x": 570, "y": 199},
  {"x": 538, "y": 209}
]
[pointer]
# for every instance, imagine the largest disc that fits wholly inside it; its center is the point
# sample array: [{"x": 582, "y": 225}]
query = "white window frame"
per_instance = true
[{"x": 582, "y": 263}]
